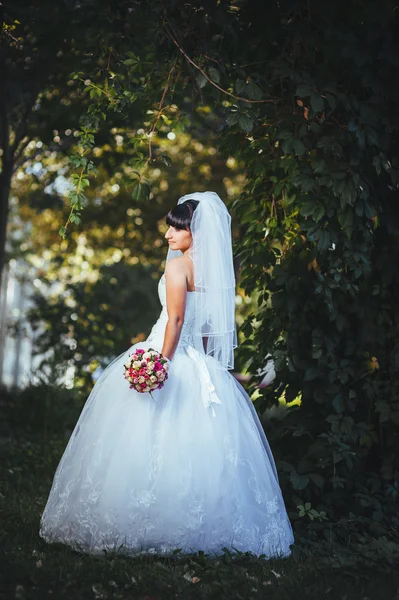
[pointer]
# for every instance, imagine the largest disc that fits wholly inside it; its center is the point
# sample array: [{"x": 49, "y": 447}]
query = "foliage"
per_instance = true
[
  {"x": 93, "y": 322},
  {"x": 36, "y": 57},
  {"x": 314, "y": 123},
  {"x": 327, "y": 232},
  {"x": 304, "y": 94},
  {"x": 39, "y": 413},
  {"x": 67, "y": 274},
  {"x": 103, "y": 279}
]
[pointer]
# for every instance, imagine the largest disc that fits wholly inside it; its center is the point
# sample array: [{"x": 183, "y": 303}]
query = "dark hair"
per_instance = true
[{"x": 180, "y": 216}]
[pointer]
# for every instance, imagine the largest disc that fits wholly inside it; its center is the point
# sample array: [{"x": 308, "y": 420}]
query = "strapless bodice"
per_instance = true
[{"x": 156, "y": 336}]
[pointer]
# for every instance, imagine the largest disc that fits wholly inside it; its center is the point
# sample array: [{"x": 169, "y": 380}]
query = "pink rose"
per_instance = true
[
  {"x": 140, "y": 351},
  {"x": 142, "y": 371},
  {"x": 143, "y": 385}
]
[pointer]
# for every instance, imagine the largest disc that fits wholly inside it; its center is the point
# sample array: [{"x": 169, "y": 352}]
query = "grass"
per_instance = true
[{"x": 32, "y": 569}]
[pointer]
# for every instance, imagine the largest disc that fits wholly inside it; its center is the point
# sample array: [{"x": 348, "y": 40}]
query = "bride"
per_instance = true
[{"x": 190, "y": 468}]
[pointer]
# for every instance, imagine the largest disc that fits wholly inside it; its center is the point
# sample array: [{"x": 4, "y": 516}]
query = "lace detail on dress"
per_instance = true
[
  {"x": 186, "y": 335},
  {"x": 149, "y": 477},
  {"x": 158, "y": 331},
  {"x": 150, "y": 522}
]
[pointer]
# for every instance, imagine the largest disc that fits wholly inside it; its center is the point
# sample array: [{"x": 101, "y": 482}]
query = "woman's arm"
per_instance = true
[{"x": 176, "y": 293}]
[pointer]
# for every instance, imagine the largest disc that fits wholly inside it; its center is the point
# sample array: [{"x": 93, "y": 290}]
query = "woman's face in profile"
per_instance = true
[{"x": 178, "y": 239}]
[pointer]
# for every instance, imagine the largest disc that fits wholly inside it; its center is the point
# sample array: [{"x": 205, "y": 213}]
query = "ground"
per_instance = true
[{"x": 32, "y": 569}]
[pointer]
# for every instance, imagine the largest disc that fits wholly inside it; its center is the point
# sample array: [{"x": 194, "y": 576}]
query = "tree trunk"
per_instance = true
[
  {"x": 3, "y": 313},
  {"x": 5, "y": 185},
  {"x": 7, "y": 151}
]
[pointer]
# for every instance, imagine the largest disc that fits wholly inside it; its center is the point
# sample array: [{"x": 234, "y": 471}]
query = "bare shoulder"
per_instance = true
[
  {"x": 179, "y": 268},
  {"x": 174, "y": 265}
]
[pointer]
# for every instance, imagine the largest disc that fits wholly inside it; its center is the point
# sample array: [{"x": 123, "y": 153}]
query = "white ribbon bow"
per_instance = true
[{"x": 209, "y": 395}]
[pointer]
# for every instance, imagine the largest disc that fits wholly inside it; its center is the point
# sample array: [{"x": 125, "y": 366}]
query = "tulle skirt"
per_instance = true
[{"x": 180, "y": 471}]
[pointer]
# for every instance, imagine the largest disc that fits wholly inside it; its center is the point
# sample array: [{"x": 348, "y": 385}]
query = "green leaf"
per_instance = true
[
  {"x": 338, "y": 403},
  {"x": 299, "y": 147},
  {"x": 201, "y": 80},
  {"x": 289, "y": 199},
  {"x": 307, "y": 208},
  {"x": 141, "y": 192},
  {"x": 311, "y": 374},
  {"x": 165, "y": 158},
  {"x": 325, "y": 143},
  {"x": 284, "y": 135},
  {"x": 307, "y": 184},
  {"x": 346, "y": 220},
  {"x": 285, "y": 466},
  {"x": 214, "y": 74},
  {"x": 318, "y": 212},
  {"x": 232, "y": 118},
  {"x": 246, "y": 123},
  {"x": 299, "y": 482},
  {"x": 287, "y": 145},
  {"x": 302, "y": 510},
  {"x": 239, "y": 86},
  {"x": 253, "y": 91},
  {"x": 316, "y": 102},
  {"x": 303, "y": 90},
  {"x": 349, "y": 193}
]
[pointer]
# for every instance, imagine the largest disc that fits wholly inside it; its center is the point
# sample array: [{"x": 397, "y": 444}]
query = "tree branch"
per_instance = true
[
  {"x": 171, "y": 36},
  {"x": 152, "y": 129},
  {"x": 19, "y": 159}
]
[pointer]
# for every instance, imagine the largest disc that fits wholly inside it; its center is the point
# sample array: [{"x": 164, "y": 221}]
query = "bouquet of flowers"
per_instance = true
[{"x": 146, "y": 370}]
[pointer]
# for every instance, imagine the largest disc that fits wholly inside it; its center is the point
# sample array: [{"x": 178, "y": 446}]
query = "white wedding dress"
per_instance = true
[{"x": 192, "y": 470}]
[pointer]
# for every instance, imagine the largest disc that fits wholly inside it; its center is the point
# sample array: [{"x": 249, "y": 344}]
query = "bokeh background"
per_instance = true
[{"x": 109, "y": 112}]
